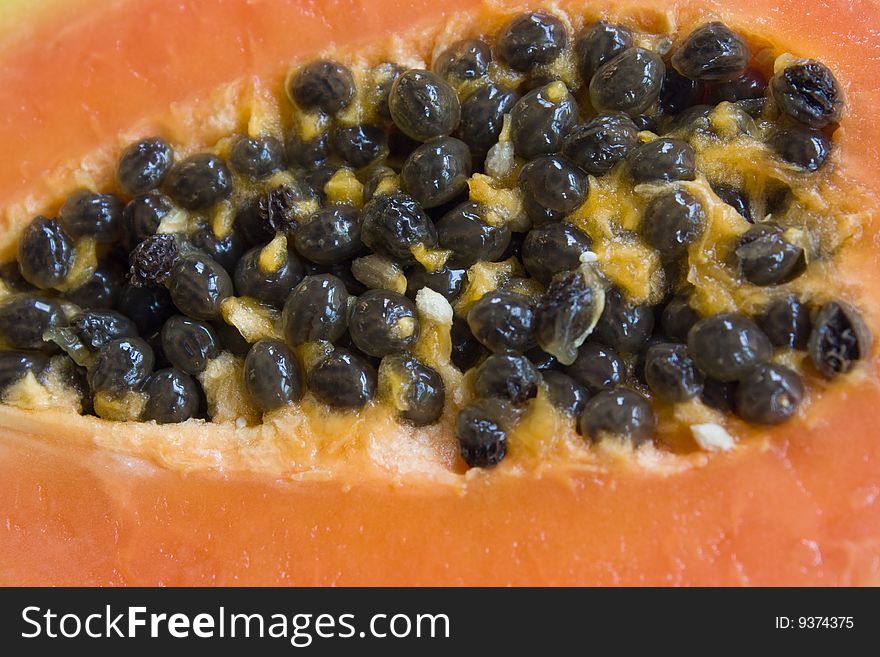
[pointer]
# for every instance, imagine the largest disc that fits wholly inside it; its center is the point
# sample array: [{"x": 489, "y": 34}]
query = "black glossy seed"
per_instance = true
[
  {"x": 102, "y": 290},
  {"x": 808, "y": 92},
  {"x": 198, "y": 285},
  {"x": 257, "y": 157},
  {"x": 226, "y": 250},
  {"x": 481, "y": 435},
  {"x": 672, "y": 222},
  {"x": 507, "y": 376},
  {"x": 153, "y": 260},
  {"x": 322, "y": 85},
  {"x": 189, "y": 344},
  {"x": 678, "y": 93},
  {"x": 600, "y": 143},
  {"x": 144, "y": 165},
  {"x": 45, "y": 253},
  {"x": 309, "y": 153},
  {"x": 467, "y": 59},
  {"x": 331, "y": 235},
  {"x": 629, "y": 82},
  {"x": 839, "y": 339},
  {"x": 437, "y": 171},
  {"x": 447, "y": 281},
  {"x": 671, "y": 373},
  {"x": 565, "y": 314},
  {"x": 712, "y": 52},
  {"x": 787, "y": 323},
  {"x": 728, "y": 346},
  {"x": 97, "y": 328},
  {"x": 121, "y": 365},
  {"x": 463, "y": 231},
  {"x": 269, "y": 286},
  {"x": 805, "y": 148},
  {"x": 553, "y": 182},
  {"x": 531, "y": 40},
  {"x": 393, "y": 225},
  {"x": 172, "y": 397},
  {"x": 565, "y": 393},
  {"x": 662, "y": 159},
  {"x": 89, "y": 214},
  {"x": 383, "y": 323},
  {"x": 24, "y": 319},
  {"x": 597, "y": 367},
  {"x": 553, "y": 248},
  {"x": 503, "y": 321},
  {"x": 418, "y": 386},
  {"x": 677, "y": 318},
  {"x": 272, "y": 377},
  {"x": 359, "y": 146},
  {"x": 620, "y": 413},
  {"x": 751, "y": 85},
  {"x": 423, "y": 105},
  {"x": 541, "y": 120},
  {"x": 316, "y": 310},
  {"x": 15, "y": 365},
  {"x": 735, "y": 199},
  {"x": 141, "y": 217},
  {"x": 199, "y": 181},
  {"x": 766, "y": 258},
  {"x": 623, "y": 326},
  {"x": 599, "y": 43},
  {"x": 482, "y": 116},
  {"x": 770, "y": 394},
  {"x": 148, "y": 307},
  {"x": 343, "y": 380}
]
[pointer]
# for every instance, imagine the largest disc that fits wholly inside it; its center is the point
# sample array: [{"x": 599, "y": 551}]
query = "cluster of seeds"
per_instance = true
[{"x": 329, "y": 238}]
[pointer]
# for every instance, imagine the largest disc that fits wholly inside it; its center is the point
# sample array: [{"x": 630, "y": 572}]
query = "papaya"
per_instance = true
[{"x": 316, "y": 497}]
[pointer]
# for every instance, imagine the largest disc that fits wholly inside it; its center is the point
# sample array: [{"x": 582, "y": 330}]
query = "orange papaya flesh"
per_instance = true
[{"x": 799, "y": 507}]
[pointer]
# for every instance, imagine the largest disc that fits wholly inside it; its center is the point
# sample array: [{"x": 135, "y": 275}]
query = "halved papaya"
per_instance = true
[{"x": 362, "y": 501}]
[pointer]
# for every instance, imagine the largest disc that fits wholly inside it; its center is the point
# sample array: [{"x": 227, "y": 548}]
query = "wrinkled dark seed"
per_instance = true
[
  {"x": 597, "y": 44},
  {"x": 45, "y": 253},
  {"x": 503, "y": 321},
  {"x": 620, "y": 413},
  {"x": 728, "y": 347},
  {"x": 323, "y": 85},
  {"x": 530, "y": 40},
  {"x": 839, "y": 339},
  {"x": 316, "y": 310},
  {"x": 189, "y": 344},
  {"x": 770, "y": 394},
  {"x": 272, "y": 376},
  {"x": 712, "y": 52},
  {"x": 343, "y": 380},
  {"x": 629, "y": 82},
  {"x": 506, "y": 376}
]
